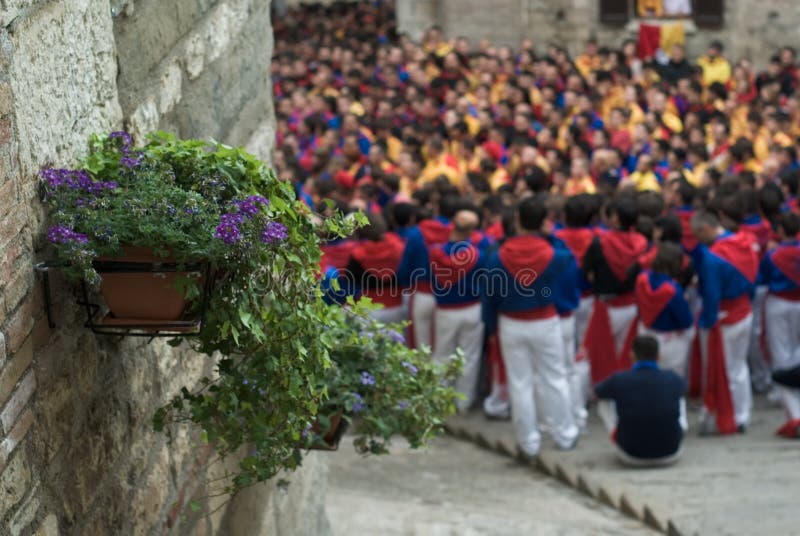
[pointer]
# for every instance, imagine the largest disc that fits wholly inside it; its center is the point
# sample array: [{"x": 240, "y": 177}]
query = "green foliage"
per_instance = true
[{"x": 282, "y": 355}]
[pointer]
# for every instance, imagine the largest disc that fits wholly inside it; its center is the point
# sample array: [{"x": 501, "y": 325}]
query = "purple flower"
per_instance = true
[
  {"x": 228, "y": 228},
  {"x": 61, "y": 234},
  {"x": 131, "y": 162},
  {"x": 395, "y": 336},
  {"x": 74, "y": 180},
  {"x": 358, "y": 404},
  {"x": 410, "y": 368},
  {"x": 306, "y": 431},
  {"x": 122, "y": 135},
  {"x": 274, "y": 232},
  {"x": 250, "y": 206},
  {"x": 402, "y": 405},
  {"x": 367, "y": 378}
]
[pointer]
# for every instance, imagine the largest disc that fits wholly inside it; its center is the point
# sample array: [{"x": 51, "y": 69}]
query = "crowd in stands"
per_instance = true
[{"x": 612, "y": 202}]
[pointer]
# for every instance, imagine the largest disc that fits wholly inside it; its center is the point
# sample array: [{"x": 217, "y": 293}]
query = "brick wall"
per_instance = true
[{"x": 77, "y": 450}]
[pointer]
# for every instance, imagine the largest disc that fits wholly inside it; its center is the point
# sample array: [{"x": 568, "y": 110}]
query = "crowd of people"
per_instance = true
[{"x": 556, "y": 218}]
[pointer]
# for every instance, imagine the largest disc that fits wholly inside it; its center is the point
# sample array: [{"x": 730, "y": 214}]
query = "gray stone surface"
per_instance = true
[
  {"x": 752, "y": 29},
  {"x": 454, "y": 488},
  {"x": 735, "y": 485}
]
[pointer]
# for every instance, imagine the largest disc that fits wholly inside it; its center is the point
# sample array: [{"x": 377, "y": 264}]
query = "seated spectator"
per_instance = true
[{"x": 649, "y": 411}]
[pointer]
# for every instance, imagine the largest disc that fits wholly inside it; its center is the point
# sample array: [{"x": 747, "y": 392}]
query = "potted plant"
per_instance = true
[
  {"x": 149, "y": 218},
  {"x": 267, "y": 329},
  {"x": 386, "y": 388}
]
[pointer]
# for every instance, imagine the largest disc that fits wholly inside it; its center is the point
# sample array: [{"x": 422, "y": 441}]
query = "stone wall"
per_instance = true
[
  {"x": 77, "y": 450},
  {"x": 752, "y": 29}
]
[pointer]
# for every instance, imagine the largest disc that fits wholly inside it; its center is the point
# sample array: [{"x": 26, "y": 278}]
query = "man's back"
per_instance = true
[{"x": 648, "y": 405}]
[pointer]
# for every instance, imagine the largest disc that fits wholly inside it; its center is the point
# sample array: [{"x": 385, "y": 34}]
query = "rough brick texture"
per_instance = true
[{"x": 77, "y": 450}]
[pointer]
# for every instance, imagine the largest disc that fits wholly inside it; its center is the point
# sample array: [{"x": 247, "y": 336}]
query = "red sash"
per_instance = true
[
  {"x": 717, "y": 395},
  {"x": 599, "y": 342}
]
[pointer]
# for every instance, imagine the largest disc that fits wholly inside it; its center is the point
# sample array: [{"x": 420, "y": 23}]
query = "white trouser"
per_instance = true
[
  {"x": 535, "y": 348},
  {"x": 673, "y": 348},
  {"x": 422, "y": 306},
  {"x": 389, "y": 315},
  {"x": 621, "y": 319},
  {"x": 783, "y": 334},
  {"x": 575, "y": 386},
  {"x": 735, "y": 339},
  {"x": 759, "y": 368},
  {"x": 582, "y": 315},
  {"x": 460, "y": 328}
]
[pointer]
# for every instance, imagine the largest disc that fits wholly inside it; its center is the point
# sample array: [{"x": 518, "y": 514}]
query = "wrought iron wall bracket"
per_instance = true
[{"x": 131, "y": 327}]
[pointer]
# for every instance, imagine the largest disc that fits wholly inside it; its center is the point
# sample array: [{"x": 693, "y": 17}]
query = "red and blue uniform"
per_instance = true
[
  {"x": 661, "y": 303},
  {"x": 727, "y": 271}
]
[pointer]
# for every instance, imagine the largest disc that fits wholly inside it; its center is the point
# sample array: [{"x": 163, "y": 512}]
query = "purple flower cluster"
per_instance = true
[
  {"x": 358, "y": 404},
  {"x": 131, "y": 162},
  {"x": 394, "y": 336},
  {"x": 274, "y": 232},
  {"x": 249, "y": 207},
  {"x": 61, "y": 234},
  {"x": 74, "y": 179},
  {"x": 410, "y": 367},
  {"x": 122, "y": 135},
  {"x": 367, "y": 378},
  {"x": 402, "y": 405},
  {"x": 228, "y": 228}
]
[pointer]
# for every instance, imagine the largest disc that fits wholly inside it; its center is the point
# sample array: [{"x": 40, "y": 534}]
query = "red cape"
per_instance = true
[
  {"x": 652, "y": 301},
  {"x": 787, "y": 260},
  {"x": 739, "y": 250},
  {"x": 577, "y": 240},
  {"x": 621, "y": 249},
  {"x": 525, "y": 257}
]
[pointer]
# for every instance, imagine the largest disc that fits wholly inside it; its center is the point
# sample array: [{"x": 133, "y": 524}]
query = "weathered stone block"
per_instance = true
[
  {"x": 14, "y": 369},
  {"x": 14, "y": 482},
  {"x": 15, "y": 437},
  {"x": 18, "y": 400},
  {"x": 20, "y": 324},
  {"x": 49, "y": 527},
  {"x": 26, "y": 514}
]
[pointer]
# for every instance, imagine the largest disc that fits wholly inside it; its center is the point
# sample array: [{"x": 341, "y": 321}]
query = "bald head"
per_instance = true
[{"x": 464, "y": 222}]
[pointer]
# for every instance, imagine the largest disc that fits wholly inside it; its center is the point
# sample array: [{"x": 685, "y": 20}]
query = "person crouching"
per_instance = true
[{"x": 649, "y": 417}]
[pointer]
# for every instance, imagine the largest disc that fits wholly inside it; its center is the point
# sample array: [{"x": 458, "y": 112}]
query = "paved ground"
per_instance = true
[
  {"x": 455, "y": 488},
  {"x": 737, "y": 485}
]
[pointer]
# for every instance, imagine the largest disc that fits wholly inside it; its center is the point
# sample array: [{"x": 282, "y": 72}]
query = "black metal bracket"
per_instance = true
[{"x": 108, "y": 325}]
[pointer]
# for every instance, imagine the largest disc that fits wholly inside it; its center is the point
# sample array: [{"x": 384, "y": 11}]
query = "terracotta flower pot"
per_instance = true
[
  {"x": 143, "y": 295},
  {"x": 331, "y": 439}
]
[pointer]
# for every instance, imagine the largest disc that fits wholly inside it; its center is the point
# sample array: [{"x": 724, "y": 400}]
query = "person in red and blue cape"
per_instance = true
[
  {"x": 664, "y": 313},
  {"x": 372, "y": 269},
  {"x": 607, "y": 265},
  {"x": 414, "y": 272},
  {"x": 780, "y": 271},
  {"x": 456, "y": 269},
  {"x": 727, "y": 266},
  {"x": 519, "y": 303},
  {"x": 577, "y": 236}
]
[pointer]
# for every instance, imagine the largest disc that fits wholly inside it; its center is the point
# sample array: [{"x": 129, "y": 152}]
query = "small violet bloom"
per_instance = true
[
  {"x": 61, "y": 234},
  {"x": 367, "y": 378},
  {"x": 410, "y": 368},
  {"x": 358, "y": 404},
  {"x": 402, "y": 405},
  {"x": 274, "y": 232}
]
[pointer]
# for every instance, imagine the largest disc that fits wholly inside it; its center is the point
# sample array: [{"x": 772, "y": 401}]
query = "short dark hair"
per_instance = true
[
  {"x": 669, "y": 260},
  {"x": 403, "y": 213},
  {"x": 645, "y": 348},
  {"x": 627, "y": 212},
  {"x": 790, "y": 223},
  {"x": 532, "y": 213},
  {"x": 576, "y": 211},
  {"x": 671, "y": 228}
]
